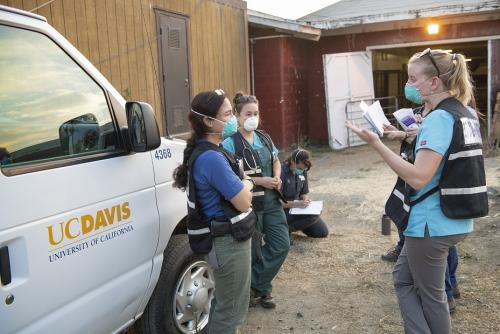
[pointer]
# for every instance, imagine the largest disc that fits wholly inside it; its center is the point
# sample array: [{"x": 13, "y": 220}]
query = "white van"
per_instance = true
[{"x": 92, "y": 233}]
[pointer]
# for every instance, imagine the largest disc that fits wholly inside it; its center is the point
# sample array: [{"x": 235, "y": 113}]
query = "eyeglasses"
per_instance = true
[
  {"x": 246, "y": 98},
  {"x": 427, "y": 52}
]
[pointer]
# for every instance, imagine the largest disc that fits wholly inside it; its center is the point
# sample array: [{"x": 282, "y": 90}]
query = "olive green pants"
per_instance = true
[
  {"x": 229, "y": 308},
  {"x": 272, "y": 224}
]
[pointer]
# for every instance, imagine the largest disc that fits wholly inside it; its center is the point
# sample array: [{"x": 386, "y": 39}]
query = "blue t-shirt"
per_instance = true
[
  {"x": 214, "y": 177},
  {"x": 435, "y": 134},
  {"x": 228, "y": 144}
]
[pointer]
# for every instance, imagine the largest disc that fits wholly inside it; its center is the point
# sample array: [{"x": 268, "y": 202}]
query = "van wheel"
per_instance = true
[{"x": 180, "y": 303}]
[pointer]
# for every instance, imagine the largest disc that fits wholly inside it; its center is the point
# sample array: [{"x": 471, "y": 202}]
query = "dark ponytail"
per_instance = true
[{"x": 205, "y": 103}]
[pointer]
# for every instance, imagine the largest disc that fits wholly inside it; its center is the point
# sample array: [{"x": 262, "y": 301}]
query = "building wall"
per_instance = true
[
  {"x": 359, "y": 42},
  {"x": 281, "y": 78},
  {"x": 120, "y": 38}
]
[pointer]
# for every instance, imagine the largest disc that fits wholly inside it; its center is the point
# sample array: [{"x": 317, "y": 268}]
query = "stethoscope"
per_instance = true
[{"x": 249, "y": 149}]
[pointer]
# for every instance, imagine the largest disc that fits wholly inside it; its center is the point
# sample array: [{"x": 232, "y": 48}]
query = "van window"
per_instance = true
[{"x": 50, "y": 108}]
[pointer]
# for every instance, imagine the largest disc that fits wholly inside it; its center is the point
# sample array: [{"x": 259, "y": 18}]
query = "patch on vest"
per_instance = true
[{"x": 472, "y": 134}]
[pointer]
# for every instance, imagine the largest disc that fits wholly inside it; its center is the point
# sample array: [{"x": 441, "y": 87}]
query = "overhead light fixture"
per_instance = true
[
  {"x": 468, "y": 59},
  {"x": 433, "y": 28}
]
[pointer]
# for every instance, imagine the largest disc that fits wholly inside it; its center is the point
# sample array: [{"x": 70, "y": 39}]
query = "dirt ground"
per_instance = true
[{"x": 340, "y": 285}]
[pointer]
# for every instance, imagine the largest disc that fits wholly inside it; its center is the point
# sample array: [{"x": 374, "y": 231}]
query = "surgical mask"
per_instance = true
[
  {"x": 413, "y": 94},
  {"x": 299, "y": 171},
  {"x": 251, "y": 123},
  {"x": 230, "y": 126}
]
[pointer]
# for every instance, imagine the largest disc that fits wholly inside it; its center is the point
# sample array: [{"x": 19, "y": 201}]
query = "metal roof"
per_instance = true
[{"x": 353, "y": 12}]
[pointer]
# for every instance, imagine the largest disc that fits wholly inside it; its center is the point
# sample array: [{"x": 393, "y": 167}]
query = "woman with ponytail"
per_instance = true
[
  {"x": 220, "y": 218},
  {"x": 445, "y": 186}
]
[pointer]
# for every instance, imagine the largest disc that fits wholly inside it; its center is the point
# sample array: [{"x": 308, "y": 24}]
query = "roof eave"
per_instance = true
[{"x": 294, "y": 28}]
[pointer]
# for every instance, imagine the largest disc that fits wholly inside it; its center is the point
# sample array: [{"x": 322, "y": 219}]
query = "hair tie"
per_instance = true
[{"x": 296, "y": 154}]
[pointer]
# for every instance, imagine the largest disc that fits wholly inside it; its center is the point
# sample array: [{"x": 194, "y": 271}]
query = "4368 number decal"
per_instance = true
[{"x": 163, "y": 153}]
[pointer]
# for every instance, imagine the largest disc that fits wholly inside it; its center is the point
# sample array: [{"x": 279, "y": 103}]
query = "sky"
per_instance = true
[{"x": 288, "y": 9}]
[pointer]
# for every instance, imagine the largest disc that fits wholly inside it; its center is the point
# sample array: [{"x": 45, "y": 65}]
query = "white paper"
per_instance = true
[
  {"x": 406, "y": 118},
  {"x": 375, "y": 116},
  {"x": 314, "y": 208}
]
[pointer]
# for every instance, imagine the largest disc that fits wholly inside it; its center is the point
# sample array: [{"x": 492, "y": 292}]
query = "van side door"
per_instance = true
[{"x": 79, "y": 221}]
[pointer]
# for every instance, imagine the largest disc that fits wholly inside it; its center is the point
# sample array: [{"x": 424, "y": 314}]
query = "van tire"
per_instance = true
[{"x": 158, "y": 317}]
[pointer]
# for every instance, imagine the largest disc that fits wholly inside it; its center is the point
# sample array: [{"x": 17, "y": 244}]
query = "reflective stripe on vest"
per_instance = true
[
  {"x": 198, "y": 232},
  {"x": 240, "y": 217},
  {"x": 258, "y": 193},
  {"x": 464, "y": 191},
  {"x": 400, "y": 195},
  {"x": 465, "y": 154},
  {"x": 253, "y": 171}
]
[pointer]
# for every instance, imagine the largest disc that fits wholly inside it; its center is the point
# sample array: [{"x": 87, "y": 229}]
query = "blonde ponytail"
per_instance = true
[{"x": 459, "y": 81}]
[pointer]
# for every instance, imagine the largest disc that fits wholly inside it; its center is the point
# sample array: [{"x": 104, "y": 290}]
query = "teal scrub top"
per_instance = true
[
  {"x": 435, "y": 134},
  {"x": 228, "y": 144}
]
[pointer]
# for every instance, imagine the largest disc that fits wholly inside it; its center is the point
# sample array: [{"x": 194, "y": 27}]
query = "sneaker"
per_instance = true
[
  {"x": 391, "y": 255},
  {"x": 267, "y": 302},
  {"x": 451, "y": 305},
  {"x": 456, "y": 293}
]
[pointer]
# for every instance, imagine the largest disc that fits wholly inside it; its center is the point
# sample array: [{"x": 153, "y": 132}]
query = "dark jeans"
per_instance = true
[
  {"x": 450, "y": 279},
  {"x": 317, "y": 230}
]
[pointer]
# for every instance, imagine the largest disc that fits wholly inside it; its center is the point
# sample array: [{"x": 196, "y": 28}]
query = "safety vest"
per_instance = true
[
  {"x": 242, "y": 224},
  {"x": 244, "y": 151},
  {"x": 462, "y": 184}
]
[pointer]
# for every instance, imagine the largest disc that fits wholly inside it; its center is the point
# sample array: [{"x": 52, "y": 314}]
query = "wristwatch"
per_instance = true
[{"x": 253, "y": 182}]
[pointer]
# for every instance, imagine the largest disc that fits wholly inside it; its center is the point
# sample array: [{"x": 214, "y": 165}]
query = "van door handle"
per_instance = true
[{"x": 5, "y": 274}]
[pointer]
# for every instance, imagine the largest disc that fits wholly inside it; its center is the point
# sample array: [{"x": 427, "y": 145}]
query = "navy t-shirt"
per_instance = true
[{"x": 214, "y": 177}]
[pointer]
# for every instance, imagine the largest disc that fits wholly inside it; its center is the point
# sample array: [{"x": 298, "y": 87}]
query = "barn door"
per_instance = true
[{"x": 348, "y": 78}]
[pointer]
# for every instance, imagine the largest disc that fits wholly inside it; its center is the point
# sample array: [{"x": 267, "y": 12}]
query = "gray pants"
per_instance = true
[
  {"x": 232, "y": 285},
  {"x": 419, "y": 283}
]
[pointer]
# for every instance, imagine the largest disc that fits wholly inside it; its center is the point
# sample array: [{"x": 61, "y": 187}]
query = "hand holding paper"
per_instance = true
[
  {"x": 314, "y": 208},
  {"x": 375, "y": 116},
  {"x": 406, "y": 118}
]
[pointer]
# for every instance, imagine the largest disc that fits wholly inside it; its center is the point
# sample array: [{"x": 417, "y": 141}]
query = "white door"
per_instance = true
[
  {"x": 78, "y": 214},
  {"x": 348, "y": 77}
]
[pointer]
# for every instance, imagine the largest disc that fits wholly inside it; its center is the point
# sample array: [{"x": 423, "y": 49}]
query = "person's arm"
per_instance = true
[
  {"x": 221, "y": 176},
  {"x": 295, "y": 204},
  {"x": 416, "y": 175},
  {"x": 243, "y": 200},
  {"x": 277, "y": 172}
]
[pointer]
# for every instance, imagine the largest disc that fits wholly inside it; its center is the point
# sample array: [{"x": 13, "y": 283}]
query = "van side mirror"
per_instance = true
[{"x": 142, "y": 134}]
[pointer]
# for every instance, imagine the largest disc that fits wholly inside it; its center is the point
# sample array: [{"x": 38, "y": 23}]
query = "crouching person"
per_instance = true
[{"x": 295, "y": 189}]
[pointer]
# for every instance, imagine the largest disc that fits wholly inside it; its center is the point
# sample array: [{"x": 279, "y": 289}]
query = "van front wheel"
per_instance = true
[{"x": 180, "y": 303}]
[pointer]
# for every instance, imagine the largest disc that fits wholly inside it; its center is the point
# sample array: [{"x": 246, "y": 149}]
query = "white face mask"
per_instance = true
[{"x": 251, "y": 123}]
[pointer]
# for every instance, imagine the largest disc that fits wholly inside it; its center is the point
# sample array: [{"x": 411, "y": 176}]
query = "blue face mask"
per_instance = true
[
  {"x": 230, "y": 127},
  {"x": 299, "y": 171},
  {"x": 413, "y": 94}
]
